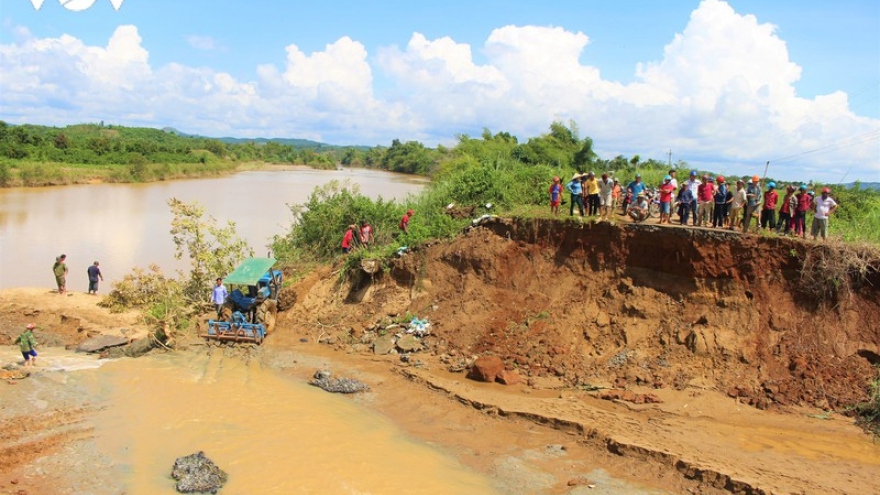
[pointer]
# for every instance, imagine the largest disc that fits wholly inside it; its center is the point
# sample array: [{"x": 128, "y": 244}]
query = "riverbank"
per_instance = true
[{"x": 688, "y": 376}]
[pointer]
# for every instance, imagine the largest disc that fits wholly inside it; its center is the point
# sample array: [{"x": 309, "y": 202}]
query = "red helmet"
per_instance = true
[{"x": 720, "y": 179}]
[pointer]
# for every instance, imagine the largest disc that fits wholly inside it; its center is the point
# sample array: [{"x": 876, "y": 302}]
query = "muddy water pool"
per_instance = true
[
  {"x": 271, "y": 433},
  {"x": 127, "y": 225}
]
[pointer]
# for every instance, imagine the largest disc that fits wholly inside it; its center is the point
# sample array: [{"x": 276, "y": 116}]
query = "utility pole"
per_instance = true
[{"x": 670, "y": 158}]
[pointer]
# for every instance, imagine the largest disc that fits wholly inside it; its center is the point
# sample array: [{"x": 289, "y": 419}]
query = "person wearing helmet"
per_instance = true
[
  {"x": 666, "y": 189},
  {"x": 633, "y": 189},
  {"x": 555, "y": 196},
  {"x": 684, "y": 200},
  {"x": 722, "y": 198},
  {"x": 693, "y": 184},
  {"x": 638, "y": 211},
  {"x": 804, "y": 201},
  {"x": 786, "y": 218},
  {"x": 768, "y": 211},
  {"x": 705, "y": 193},
  {"x": 753, "y": 201},
  {"x": 824, "y": 206}
]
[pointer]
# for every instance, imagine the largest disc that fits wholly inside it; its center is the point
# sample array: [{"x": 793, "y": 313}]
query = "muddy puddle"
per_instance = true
[{"x": 271, "y": 433}]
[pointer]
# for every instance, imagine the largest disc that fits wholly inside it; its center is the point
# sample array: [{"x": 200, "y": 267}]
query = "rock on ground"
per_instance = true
[{"x": 196, "y": 473}]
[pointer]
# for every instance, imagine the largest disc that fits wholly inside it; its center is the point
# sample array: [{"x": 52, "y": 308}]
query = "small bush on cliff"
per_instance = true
[
  {"x": 868, "y": 412},
  {"x": 831, "y": 272}
]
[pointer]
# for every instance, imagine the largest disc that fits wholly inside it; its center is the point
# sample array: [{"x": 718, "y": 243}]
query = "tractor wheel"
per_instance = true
[
  {"x": 286, "y": 298},
  {"x": 266, "y": 315}
]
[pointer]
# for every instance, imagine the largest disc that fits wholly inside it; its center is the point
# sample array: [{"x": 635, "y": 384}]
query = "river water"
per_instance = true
[{"x": 127, "y": 225}]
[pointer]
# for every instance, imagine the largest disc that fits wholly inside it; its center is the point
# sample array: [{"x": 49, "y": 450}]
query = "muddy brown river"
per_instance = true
[{"x": 127, "y": 225}]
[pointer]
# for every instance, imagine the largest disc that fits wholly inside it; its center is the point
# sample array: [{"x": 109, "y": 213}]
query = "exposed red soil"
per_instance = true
[{"x": 599, "y": 304}]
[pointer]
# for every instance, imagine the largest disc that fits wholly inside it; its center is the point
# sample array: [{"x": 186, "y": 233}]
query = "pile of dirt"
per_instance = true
[{"x": 599, "y": 304}]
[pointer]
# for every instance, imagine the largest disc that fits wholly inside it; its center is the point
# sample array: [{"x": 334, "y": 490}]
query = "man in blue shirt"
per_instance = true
[
  {"x": 218, "y": 296},
  {"x": 633, "y": 189},
  {"x": 576, "y": 190}
]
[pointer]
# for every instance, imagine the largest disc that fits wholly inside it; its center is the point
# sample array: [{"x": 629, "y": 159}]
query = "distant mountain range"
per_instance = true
[
  {"x": 865, "y": 185},
  {"x": 297, "y": 143}
]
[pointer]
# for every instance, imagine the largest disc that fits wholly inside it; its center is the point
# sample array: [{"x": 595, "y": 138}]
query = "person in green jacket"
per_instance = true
[
  {"x": 28, "y": 345},
  {"x": 60, "y": 271}
]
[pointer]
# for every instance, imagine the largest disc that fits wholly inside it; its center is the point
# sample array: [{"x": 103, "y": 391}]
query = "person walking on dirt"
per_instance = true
[
  {"x": 576, "y": 191},
  {"x": 28, "y": 345},
  {"x": 404, "y": 222},
  {"x": 824, "y": 206},
  {"x": 606, "y": 199},
  {"x": 804, "y": 201},
  {"x": 218, "y": 295},
  {"x": 753, "y": 201},
  {"x": 94, "y": 273},
  {"x": 768, "y": 212},
  {"x": 555, "y": 196},
  {"x": 60, "y": 271}
]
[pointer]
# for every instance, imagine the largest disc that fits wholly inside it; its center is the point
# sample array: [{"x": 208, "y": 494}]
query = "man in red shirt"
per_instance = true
[
  {"x": 789, "y": 203},
  {"x": 666, "y": 189},
  {"x": 804, "y": 201},
  {"x": 347, "y": 239},
  {"x": 404, "y": 222},
  {"x": 768, "y": 212},
  {"x": 705, "y": 201}
]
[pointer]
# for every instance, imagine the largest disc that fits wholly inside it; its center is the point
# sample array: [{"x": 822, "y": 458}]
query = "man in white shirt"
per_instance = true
[
  {"x": 693, "y": 183},
  {"x": 824, "y": 206}
]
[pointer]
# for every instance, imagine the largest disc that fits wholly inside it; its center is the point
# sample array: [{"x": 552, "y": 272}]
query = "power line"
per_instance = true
[{"x": 842, "y": 144}]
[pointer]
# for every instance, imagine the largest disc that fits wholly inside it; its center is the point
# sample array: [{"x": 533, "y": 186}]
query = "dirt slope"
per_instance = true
[{"x": 597, "y": 303}]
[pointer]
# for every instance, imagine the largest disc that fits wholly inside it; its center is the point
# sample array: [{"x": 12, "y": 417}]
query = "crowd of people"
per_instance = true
[
  {"x": 705, "y": 201},
  {"x": 362, "y": 236}
]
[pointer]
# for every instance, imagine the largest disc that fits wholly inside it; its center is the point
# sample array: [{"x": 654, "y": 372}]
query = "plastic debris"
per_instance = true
[
  {"x": 483, "y": 219},
  {"x": 418, "y": 327}
]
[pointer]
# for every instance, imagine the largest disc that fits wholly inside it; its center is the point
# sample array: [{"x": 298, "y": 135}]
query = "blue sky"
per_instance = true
[{"x": 724, "y": 85}]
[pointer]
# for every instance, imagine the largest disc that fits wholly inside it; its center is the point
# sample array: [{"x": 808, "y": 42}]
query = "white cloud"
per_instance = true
[
  {"x": 205, "y": 43},
  {"x": 723, "y": 94}
]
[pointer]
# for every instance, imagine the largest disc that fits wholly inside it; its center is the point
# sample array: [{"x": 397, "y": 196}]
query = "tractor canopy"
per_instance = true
[{"x": 250, "y": 271}]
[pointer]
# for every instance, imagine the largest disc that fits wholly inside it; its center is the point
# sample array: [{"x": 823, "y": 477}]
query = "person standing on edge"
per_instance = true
[
  {"x": 674, "y": 181},
  {"x": 737, "y": 204},
  {"x": 60, "y": 271},
  {"x": 366, "y": 233},
  {"x": 693, "y": 184},
  {"x": 800, "y": 211},
  {"x": 633, "y": 190},
  {"x": 824, "y": 207},
  {"x": 404, "y": 221},
  {"x": 28, "y": 345},
  {"x": 665, "y": 190},
  {"x": 218, "y": 295},
  {"x": 591, "y": 191},
  {"x": 94, "y": 275},
  {"x": 555, "y": 196},
  {"x": 768, "y": 212},
  {"x": 705, "y": 198},
  {"x": 576, "y": 191},
  {"x": 753, "y": 200},
  {"x": 684, "y": 199},
  {"x": 606, "y": 192},
  {"x": 722, "y": 199},
  {"x": 789, "y": 203},
  {"x": 615, "y": 194}
]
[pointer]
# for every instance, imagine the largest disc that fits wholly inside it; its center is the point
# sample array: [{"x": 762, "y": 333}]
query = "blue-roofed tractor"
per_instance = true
[{"x": 250, "y": 310}]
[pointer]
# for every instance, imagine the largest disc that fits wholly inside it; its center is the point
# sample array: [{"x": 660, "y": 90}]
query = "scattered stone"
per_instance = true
[
  {"x": 630, "y": 396},
  {"x": 383, "y": 344},
  {"x": 98, "y": 344},
  {"x": 486, "y": 369},
  {"x": 508, "y": 377},
  {"x": 322, "y": 379},
  {"x": 304, "y": 340},
  {"x": 409, "y": 343},
  {"x": 196, "y": 473}
]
